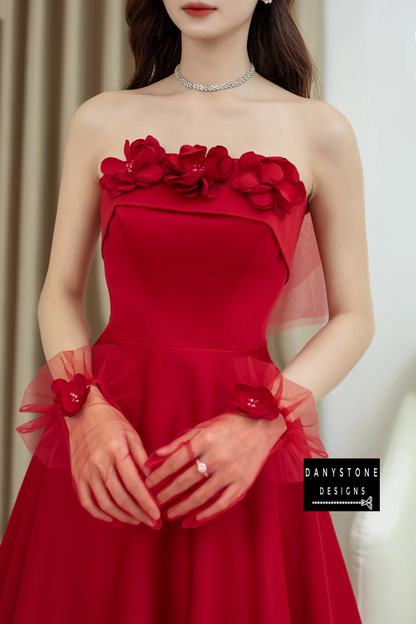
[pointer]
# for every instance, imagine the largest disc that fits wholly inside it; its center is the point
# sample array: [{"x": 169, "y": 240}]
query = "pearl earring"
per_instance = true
[{"x": 267, "y": 1}]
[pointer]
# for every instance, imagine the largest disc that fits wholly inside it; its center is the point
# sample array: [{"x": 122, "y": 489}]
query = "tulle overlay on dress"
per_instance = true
[
  {"x": 202, "y": 264},
  {"x": 303, "y": 300}
]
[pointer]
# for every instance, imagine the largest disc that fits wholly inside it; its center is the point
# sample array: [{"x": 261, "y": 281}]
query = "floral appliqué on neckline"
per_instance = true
[{"x": 271, "y": 183}]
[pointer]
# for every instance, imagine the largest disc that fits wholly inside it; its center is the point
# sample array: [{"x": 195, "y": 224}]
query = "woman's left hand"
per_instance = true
[{"x": 234, "y": 448}]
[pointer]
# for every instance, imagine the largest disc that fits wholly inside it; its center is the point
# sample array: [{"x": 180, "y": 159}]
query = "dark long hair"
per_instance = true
[{"x": 275, "y": 45}]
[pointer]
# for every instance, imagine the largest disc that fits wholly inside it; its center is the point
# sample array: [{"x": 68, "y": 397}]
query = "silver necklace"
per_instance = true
[{"x": 217, "y": 87}]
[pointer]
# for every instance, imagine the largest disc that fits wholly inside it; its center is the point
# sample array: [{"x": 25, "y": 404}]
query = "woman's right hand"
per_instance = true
[{"x": 104, "y": 447}]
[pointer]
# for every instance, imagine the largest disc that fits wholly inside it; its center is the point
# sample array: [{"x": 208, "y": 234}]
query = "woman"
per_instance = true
[{"x": 166, "y": 483}]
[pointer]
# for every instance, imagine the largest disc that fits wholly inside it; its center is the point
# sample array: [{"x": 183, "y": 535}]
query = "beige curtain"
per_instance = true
[{"x": 55, "y": 54}]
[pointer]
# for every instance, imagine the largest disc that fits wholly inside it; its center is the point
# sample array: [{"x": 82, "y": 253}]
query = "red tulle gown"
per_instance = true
[{"x": 205, "y": 257}]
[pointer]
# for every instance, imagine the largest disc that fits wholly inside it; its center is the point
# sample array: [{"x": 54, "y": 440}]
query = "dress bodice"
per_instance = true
[{"x": 197, "y": 247}]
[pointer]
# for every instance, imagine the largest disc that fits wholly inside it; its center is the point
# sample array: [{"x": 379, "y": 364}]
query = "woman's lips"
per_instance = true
[{"x": 198, "y": 12}]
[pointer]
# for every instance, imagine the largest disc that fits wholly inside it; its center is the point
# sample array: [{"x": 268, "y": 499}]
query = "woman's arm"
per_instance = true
[
  {"x": 101, "y": 438},
  {"x": 61, "y": 310},
  {"x": 337, "y": 210}
]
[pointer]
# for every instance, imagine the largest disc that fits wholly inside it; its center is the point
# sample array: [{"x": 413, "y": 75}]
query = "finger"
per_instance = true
[
  {"x": 155, "y": 460},
  {"x": 170, "y": 447},
  {"x": 122, "y": 498},
  {"x": 172, "y": 464},
  {"x": 212, "y": 509},
  {"x": 87, "y": 501},
  {"x": 195, "y": 500},
  {"x": 138, "y": 452},
  {"x": 227, "y": 499},
  {"x": 106, "y": 503},
  {"x": 180, "y": 484},
  {"x": 137, "y": 488}
]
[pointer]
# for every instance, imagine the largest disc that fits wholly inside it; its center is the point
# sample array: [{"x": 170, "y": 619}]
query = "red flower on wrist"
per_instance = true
[
  {"x": 272, "y": 183},
  {"x": 70, "y": 396},
  {"x": 191, "y": 172},
  {"x": 257, "y": 402},
  {"x": 140, "y": 169}
]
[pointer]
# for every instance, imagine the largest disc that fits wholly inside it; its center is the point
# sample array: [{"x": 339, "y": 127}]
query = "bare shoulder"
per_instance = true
[
  {"x": 332, "y": 143},
  {"x": 330, "y": 129},
  {"x": 91, "y": 126},
  {"x": 91, "y": 118}
]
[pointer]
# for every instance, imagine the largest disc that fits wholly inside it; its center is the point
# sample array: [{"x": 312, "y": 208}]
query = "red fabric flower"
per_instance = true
[
  {"x": 271, "y": 183},
  {"x": 192, "y": 172},
  {"x": 257, "y": 402},
  {"x": 140, "y": 169},
  {"x": 70, "y": 396}
]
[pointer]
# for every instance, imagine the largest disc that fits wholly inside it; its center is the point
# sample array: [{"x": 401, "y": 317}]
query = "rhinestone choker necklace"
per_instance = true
[{"x": 217, "y": 87}]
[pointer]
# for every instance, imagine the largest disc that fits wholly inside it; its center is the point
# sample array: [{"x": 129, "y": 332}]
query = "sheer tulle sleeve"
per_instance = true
[
  {"x": 61, "y": 387},
  {"x": 259, "y": 390},
  {"x": 303, "y": 300}
]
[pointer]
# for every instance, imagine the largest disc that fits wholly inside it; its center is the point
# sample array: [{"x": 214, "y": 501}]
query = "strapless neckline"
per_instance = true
[{"x": 235, "y": 159}]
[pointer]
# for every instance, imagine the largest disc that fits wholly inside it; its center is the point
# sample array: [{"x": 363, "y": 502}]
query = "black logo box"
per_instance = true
[{"x": 341, "y": 484}]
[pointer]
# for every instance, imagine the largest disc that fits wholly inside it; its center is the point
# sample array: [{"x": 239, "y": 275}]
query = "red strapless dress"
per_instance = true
[{"x": 205, "y": 257}]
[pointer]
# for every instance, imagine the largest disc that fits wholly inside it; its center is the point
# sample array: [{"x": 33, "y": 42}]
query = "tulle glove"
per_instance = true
[
  {"x": 257, "y": 391},
  {"x": 82, "y": 428}
]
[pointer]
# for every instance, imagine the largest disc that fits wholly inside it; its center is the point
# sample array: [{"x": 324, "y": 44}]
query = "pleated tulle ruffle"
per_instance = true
[{"x": 105, "y": 365}]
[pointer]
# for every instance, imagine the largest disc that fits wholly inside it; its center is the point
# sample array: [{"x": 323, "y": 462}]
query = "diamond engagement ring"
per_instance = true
[{"x": 201, "y": 467}]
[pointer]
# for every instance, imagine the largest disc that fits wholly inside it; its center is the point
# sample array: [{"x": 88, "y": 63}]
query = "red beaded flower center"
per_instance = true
[
  {"x": 252, "y": 402},
  {"x": 257, "y": 402},
  {"x": 70, "y": 395}
]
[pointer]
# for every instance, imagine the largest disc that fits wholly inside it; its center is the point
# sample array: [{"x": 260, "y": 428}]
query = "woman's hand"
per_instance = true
[
  {"x": 234, "y": 448},
  {"x": 103, "y": 450}
]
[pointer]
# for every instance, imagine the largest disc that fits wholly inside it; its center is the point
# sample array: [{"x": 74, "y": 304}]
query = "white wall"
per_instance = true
[{"x": 370, "y": 75}]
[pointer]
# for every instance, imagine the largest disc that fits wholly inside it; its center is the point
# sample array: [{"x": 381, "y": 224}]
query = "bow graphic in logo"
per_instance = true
[{"x": 367, "y": 502}]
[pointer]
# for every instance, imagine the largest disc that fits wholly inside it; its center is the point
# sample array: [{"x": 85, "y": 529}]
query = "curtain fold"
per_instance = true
[{"x": 55, "y": 54}]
